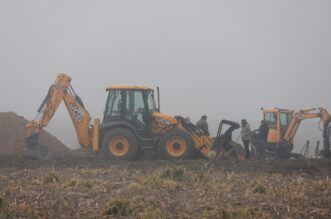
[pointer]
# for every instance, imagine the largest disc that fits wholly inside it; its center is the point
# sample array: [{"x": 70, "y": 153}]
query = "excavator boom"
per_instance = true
[
  {"x": 313, "y": 113},
  {"x": 60, "y": 91}
]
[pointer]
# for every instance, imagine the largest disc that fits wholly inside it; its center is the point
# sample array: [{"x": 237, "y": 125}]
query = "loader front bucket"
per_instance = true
[
  {"x": 33, "y": 150},
  {"x": 224, "y": 146}
]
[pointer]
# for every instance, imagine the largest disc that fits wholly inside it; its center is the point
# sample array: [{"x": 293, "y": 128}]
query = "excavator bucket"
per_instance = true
[{"x": 33, "y": 150}]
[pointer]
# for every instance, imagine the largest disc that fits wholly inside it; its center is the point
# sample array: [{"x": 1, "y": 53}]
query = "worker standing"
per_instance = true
[
  {"x": 327, "y": 143},
  {"x": 262, "y": 138},
  {"x": 246, "y": 133},
  {"x": 203, "y": 124}
]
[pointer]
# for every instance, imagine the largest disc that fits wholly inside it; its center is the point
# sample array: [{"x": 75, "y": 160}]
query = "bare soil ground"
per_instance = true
[{"x": 95, "y": 188}]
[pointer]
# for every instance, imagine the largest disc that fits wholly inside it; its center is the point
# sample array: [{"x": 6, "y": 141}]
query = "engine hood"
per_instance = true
[{"x": 164, "y": 118}]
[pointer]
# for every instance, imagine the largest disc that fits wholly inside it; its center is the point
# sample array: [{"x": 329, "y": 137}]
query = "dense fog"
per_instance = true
[{"x": 225, "y": 59}]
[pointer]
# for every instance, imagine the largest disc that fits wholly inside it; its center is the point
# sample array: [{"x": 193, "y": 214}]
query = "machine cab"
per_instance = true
[
  {"x": 278, "y": 121},
  {"x": 131, "y": 105}
]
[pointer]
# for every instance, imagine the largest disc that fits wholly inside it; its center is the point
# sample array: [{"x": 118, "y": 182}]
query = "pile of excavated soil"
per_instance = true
[{"x": 13, "y": 132}]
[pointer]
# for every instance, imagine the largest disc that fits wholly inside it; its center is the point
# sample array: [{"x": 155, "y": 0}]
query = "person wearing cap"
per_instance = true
[
  {"x": 246, "y": 133},
  {"x": 203, "y": 124}
]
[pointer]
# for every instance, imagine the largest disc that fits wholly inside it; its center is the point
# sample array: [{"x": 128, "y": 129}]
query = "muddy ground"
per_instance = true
[{"x": 96, "y": 188}]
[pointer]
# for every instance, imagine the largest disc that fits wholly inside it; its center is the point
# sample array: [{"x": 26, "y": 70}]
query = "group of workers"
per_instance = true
[{"x": 258, "y": 138}]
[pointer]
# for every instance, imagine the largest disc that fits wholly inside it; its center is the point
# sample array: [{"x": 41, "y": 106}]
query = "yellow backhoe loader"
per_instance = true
[
  {"x": 132, "y": 123},
  {"x": 284, "y": 123}
]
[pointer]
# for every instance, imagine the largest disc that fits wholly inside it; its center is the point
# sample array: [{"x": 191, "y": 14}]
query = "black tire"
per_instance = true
[
  {"x": 284, "y": 151},
  {"x": 176, "y": 144},
  {"x": 120, "y": 144}
]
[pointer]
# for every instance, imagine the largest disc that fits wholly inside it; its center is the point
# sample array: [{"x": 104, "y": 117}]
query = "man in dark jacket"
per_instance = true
[
  {"x": 261, "y": 137},
  {"x": 263, "y": 130},
  {"x": 327, "y": 138}
]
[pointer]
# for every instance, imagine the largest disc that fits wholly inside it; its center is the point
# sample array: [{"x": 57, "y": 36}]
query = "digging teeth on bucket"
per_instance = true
[{"x": 33, "y": 150}]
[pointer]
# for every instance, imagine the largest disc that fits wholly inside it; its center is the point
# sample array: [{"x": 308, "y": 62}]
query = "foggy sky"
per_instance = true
[{"x": 225, "y": 59}]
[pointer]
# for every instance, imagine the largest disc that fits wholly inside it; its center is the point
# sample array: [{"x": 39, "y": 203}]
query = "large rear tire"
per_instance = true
[
  {"x": 176, "y": 144},
  {"x": 120, "y": 144}
]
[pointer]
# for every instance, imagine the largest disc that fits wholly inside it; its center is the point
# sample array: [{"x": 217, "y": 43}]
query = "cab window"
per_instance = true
[
  {"x": 270, "y": 118},
  {"x": 285, "y": 119},
  {"x": 151, "y": 102},
  {"x": 137, "y": 109},
  {"x": 115, "y": 103}
]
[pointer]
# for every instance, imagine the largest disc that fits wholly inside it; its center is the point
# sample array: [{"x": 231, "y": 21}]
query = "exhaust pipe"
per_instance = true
[{"x": 158, "y": 99}]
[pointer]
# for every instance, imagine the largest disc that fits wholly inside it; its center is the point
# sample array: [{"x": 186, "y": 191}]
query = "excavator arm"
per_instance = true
[
  {"x": 62, "y": 90},
  {"x": 298, "y": 117}
]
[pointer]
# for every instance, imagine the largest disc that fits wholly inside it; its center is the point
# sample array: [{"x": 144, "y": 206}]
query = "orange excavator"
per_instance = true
[
  {"x": 132, "y": 123},
  {"x": 284, "y": 125}
]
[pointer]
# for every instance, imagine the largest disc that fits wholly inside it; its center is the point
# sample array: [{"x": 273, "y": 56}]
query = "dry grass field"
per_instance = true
[{"x": 96, "y": 188}]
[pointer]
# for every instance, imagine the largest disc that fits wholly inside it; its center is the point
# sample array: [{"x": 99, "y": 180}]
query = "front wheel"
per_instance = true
[
  {"x": 176, "y": 144},
  {"x": 120, "y": 144}
]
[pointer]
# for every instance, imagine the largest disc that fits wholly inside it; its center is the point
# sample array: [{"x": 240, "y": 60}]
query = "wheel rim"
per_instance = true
[
  {"x": 119, "y": 146},
  {"x": 176, "y": 146}
]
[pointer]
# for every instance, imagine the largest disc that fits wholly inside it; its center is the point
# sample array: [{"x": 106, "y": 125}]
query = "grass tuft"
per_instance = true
[
  {"x": 173, "y": 173},
  {"x": 32, "y": 214},
  {"x": 258, "y": 187},
  {"x": 51, "y": 177},
  {"x": 118, "y": 207},
  {"x": 153, "y": 214}
]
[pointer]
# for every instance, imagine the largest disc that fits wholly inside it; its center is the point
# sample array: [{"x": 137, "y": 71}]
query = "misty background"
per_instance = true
[{"x": 225, "y": 59}]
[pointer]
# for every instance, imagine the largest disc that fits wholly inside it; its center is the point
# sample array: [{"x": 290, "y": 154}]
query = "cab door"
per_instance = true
[
  {"x": 272, "y": 118},
  {"x": 285, "y": 119},
  {"x": 138, "y": 113}
]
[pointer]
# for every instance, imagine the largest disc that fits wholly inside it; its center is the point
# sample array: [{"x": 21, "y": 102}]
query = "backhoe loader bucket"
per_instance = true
[
  {"x": 33, "y": 150},
  {"x": 224, "y": 146}
]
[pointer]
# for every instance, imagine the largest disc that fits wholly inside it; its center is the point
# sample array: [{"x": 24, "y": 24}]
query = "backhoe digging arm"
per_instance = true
[
  {"x": 60, "y": 91},
  {"x": 302, "y": 115}
]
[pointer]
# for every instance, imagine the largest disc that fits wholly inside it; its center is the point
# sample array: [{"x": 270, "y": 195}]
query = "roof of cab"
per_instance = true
[
  {"x": 276, "y": 110},
  {"x": 129, "y": 87}
]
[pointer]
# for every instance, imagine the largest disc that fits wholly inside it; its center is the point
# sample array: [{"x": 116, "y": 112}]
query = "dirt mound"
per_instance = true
[{"x": 13, "y": 133}]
